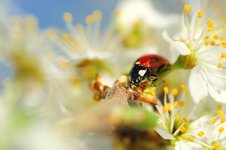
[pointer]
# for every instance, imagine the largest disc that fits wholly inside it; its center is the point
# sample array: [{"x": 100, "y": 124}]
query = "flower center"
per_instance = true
[
  {"x": 172, "y": 119},
  {"x": 188, "y": 61}
]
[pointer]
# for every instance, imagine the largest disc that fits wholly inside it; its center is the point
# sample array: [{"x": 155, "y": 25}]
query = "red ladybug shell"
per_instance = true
[{"x": 152, "y": 61}]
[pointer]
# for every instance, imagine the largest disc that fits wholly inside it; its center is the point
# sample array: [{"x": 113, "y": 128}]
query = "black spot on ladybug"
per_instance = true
[{"x": 155, "y": 59}]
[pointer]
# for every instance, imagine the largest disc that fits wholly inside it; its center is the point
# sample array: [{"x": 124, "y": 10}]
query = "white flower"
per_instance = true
[
  {"x": 211, "y": 133},
  {"x": 184, "y": 127},
  {"x": 141, "y": 29},
  {"x": 89, "y": 49},
  {"x": 87, "y": 42},
  {"x": 200, "y": 47},
  {"x": 37, "y": 82}
]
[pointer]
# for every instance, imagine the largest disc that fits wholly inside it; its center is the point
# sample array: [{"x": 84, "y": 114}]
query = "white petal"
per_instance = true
[
  {"x": 218, "y": 95},
  {"x": 200, "y": 122},
  {"x": 173, "y": 54},
  {"x": 187, "y": 146},
  {"x": 176, "y": 48},
  {"x": 210, "y": 54},
  {"x": 166, "y": 37},
  {"x": 203, "y": 122},
  {"x": 164, "y": 134},
  {"x": 197, "y": 85},
  {"x": 181, "y": 48},
  {"x": 216, "y": 77}
]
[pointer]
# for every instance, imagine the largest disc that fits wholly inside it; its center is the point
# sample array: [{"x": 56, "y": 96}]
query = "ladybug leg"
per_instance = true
[
  {"x": 102, "y": 91},
  {"x": 151, "y": 75},
  {"x": 152, "y": 78},
  {"x": 143, "y": 85},
  {"x": 140, "y": 96}
]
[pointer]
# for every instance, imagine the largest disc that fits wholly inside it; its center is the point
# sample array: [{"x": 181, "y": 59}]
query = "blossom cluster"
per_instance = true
[{"x": 139, "y": 83}]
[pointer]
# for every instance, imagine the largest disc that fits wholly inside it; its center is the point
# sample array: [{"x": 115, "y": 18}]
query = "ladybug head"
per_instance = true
[{"x": 147, "y": 67}]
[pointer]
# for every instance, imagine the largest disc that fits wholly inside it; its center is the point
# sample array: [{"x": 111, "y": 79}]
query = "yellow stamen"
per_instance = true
[
  {"x": 183, "y": 129},
  {"x": 174, "y": 91},
  {"x": 219, "y": 65},
  {"x": 207, "y": 41},
  {"x": 211, "y": 28},
  {"x": 181, "y": 103},
  {"x": 68, "y": 17},
  {"x": 65, "y": 37},
  {"x": 210, "y": 25},
  {"x": 182, "y": 87},
  {"x": 209, "y": 22},
  {"x": 212, "y": 43},
  {"x": 176, "y": 104},
  {"x": 200, "y": 14},
  {"x": 216, "y": 37},
  {"x": 187, "y": 8},
  {"x": 89, "y": 19},
  {"x": 219, "y": 106},
  {"x": 221, "y": 129},
  {"x": 217, "y": 145},
  {"x": 223, "y": 55},
  {"x": 168, "y": 106},
  {"x": 223, "y": 44},
  {"x": 185, "y": 120},
  {"x": 201, "y": 133},
  {"x": 165, "y": 109},
  {"x": 177, "y": 117},
  {"x": 166, "y": 90},
  {"x": 220, "y": 113},
  {"x": 190, "y": 139},
  {"x": 213, "y": 121},
  {"x": 223, "y": 119}
]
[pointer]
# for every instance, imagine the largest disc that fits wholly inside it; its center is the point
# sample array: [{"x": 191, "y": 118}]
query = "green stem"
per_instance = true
[{"x": 177, "y": 65}]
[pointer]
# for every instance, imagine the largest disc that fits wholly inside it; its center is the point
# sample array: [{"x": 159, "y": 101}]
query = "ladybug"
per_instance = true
[{"x": 147, "y": 68}]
